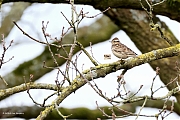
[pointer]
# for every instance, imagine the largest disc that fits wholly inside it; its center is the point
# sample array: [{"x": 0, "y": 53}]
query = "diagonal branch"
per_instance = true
[
  {"x": 7, "y": 24},
  {"x": 104, "y": 69}
]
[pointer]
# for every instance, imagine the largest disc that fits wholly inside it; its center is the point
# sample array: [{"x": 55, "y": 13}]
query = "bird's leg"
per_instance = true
[{"x": 121, "y": 61}]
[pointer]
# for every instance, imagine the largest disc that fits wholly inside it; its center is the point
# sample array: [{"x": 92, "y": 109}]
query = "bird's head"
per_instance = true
[{"x": 115, "y": 40}]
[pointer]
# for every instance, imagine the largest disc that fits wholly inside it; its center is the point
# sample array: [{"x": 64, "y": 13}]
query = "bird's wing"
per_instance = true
[{"x": 127, "y": 50}]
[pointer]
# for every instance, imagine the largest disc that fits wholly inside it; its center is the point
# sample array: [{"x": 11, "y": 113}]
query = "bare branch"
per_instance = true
[
  {"x": 152, "y": 25},
  {"x": 83, "y": 49},
  {"x": 64, "y": 117}
]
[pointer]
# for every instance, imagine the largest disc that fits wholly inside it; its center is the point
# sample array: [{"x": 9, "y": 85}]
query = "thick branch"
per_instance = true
[
  {"x": 162, "y": 9},
  {"x": 23, "y": 87},
  {"x": 104, "y": 69},
  {"x": 135, "y": 24}
]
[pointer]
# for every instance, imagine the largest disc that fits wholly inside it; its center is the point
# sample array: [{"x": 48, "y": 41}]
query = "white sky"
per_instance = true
[{"x": 85, "y": 96}]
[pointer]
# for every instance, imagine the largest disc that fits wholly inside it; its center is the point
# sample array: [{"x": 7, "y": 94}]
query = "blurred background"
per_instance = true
[{"x": 24, "y": 49}]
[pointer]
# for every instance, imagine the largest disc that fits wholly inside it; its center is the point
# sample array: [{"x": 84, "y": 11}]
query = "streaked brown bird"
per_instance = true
[{"x": 120, "y": 50}]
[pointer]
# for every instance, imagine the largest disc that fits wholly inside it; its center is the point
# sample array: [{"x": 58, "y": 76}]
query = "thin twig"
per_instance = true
[
  {"x": 3, "y": 80},
  {"x": 36, "y": 40},
  {"x": 141, "y": 108},
  {"x": 64, "y": 117},
  {"x": 87, "y": 54}
]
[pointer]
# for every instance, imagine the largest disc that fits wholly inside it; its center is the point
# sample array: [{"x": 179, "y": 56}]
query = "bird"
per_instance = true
[{"x": 120, "y": 50}]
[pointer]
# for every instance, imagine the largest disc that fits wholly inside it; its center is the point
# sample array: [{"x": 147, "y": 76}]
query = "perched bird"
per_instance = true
[{"x": 120, "y": 50}]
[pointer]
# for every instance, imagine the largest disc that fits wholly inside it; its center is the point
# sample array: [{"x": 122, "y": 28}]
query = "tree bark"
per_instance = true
[
  {"x": 162, "y": 9},
  {"x": 135, "y": 24}
]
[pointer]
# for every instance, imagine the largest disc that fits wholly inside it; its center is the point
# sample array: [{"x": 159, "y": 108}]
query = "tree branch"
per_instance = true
[
  {"x": 23, "y": 87},
  {"x": 104, "y": 69},
  {"x": 88, "y": 113},
  {"x": 162, "y": 9},
  {"x": 105, "y": 31},
  {"x": 135, "y": 24}
]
